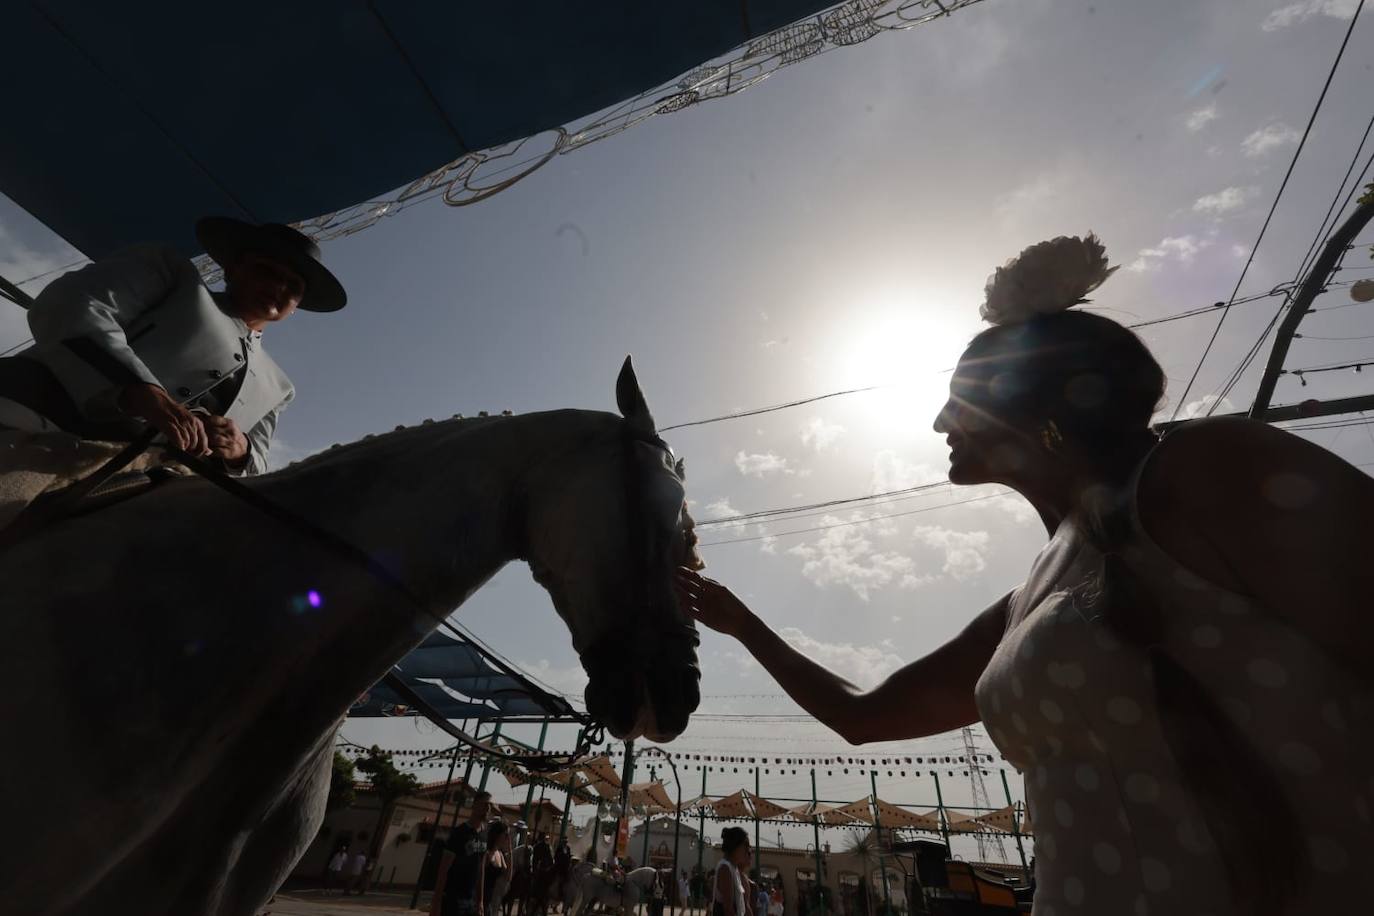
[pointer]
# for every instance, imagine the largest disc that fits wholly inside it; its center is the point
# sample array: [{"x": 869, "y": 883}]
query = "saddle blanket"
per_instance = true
[{"x": 35, "y": 463}]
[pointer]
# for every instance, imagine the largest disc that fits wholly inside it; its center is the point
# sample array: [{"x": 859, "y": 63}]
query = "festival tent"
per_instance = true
[
  {"x": 892, "y": 817},
  {"x": 651, "y": 795},
  {"x": 732, "y": 806},
  {"x": 827, "y": 814},
  {"x": 762, "y": 807},
  {"x": 138, "y": 118},
  {"x": 601, "y": 776},
  {"x": 1000, "y": 820},
  {"x": 860, "y": 810}
]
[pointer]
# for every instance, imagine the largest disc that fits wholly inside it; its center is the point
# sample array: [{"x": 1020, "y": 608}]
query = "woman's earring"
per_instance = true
[{"x": 1051, "y": 438}]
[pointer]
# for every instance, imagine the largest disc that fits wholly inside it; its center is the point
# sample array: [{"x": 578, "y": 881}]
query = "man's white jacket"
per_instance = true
[{"x": 145, "y": 315}]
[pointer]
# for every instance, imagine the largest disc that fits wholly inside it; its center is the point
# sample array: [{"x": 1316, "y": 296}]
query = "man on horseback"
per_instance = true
[{"x": 137, "y": 340}]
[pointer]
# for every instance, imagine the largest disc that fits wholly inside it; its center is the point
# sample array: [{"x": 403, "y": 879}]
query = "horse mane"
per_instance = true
[{"x": 374, "y": 443}]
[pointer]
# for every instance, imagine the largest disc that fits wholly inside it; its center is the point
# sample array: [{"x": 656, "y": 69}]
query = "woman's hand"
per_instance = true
[{"x": 711, "y": 603}]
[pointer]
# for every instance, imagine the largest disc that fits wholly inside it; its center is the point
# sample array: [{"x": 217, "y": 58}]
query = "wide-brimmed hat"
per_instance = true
[{"x": 226, "y": 239}]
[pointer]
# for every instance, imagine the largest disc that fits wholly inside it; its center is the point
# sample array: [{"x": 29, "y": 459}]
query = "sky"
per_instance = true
[{"x": 827, "y": 229}]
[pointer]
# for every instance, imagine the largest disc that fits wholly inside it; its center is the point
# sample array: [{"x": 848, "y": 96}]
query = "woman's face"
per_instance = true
[
  {"x": 742, "y": 854},
  {"x": 988, "y": 443}
]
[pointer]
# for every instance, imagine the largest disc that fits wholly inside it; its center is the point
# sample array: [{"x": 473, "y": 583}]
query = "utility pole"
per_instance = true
[
  {"x": 1312, "y": 285},
  {"x": 980, "y": 800}
]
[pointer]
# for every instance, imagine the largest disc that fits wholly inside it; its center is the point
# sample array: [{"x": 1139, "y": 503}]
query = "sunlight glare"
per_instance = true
[{"x": 907, "y": 344}]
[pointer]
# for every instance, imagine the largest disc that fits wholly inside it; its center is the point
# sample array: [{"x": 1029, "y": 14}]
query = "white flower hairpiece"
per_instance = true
[{"x": 1045, "y": 279}]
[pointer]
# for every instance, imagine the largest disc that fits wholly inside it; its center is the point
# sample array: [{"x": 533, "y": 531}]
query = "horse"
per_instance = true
[
  {"x": 591, "y": 885},
  {"x": 181, "y": 660}
]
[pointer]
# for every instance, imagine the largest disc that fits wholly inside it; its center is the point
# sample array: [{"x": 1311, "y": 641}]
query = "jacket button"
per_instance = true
[
  {"x": 238, "y": 357},
  {"x": 215, "y": 373},
  {"x": 184, "y": 391}
]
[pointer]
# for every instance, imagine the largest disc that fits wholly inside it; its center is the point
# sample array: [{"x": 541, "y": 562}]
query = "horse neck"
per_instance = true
[{"x": 441, "y": 505}]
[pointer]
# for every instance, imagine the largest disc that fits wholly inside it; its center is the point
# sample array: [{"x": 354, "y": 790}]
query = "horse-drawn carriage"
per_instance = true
[{"x": 949, "y": 887}]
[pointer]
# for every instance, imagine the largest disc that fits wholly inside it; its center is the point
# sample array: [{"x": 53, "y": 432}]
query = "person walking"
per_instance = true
[
  {"x": 459, "y": 888},
  {"x": 1194, "y": 638},
  {"x": 357, "y": 871},
  {"x": 333, "y": 872},
  {"x": 496, "y": 874},
  {"x": 727, "y": 887}
]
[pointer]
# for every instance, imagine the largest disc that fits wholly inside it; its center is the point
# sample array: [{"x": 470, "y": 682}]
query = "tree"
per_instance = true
[
  {"x": 390, "y": 784},
  {"x": 341, "y": 780},
  {"x": 864, "y": 848}
]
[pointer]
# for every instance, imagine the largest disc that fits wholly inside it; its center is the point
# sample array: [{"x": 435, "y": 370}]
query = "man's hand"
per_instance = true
[
  {"x": 227, "y": 442},
  {"x": 153, "y": 404}
]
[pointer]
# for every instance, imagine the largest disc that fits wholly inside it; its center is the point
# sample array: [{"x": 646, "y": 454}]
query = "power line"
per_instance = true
[
  {"x": 864, "y": 521},
  {"x": 788, "y": 510},
  {"x": 1268, "y": 218},
  {"x": 1329, "y": 220},
  {"x": 761, "y": 410}
]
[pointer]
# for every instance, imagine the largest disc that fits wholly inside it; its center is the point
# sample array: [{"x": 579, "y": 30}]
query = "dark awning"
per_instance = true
[
  {"x": 458, "y": 680},
  {"x": 127, "y": 121}
]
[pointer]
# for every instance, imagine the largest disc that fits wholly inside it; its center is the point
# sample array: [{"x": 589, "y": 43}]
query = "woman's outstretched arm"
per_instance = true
[{"x": 929, "y": 696}]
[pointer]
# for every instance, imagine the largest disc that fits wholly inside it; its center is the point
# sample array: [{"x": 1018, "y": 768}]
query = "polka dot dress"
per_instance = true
[{"x": 1072, "y": 708}]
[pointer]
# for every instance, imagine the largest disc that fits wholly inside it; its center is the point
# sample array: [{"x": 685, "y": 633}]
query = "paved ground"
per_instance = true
[
  {"x": 304, "y": 902},
  {"x": 311, "y": 902}
]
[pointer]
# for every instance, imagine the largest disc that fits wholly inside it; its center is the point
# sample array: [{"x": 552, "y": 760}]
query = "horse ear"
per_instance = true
[{"x": 631, "y": 401}]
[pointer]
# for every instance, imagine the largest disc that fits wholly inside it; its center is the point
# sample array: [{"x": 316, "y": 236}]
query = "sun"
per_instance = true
[{"x": 907, "y": 344}]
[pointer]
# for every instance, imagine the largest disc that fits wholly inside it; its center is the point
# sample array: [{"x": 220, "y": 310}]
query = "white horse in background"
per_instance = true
[
  {"x": 155, "y": 645},
  {"x": 592, "y": 885}
]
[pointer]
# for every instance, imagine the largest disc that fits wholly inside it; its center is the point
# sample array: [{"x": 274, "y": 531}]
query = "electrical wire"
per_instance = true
[
  {"x": 865, "y": 521},
  {"x": 1270, "y": 216}
]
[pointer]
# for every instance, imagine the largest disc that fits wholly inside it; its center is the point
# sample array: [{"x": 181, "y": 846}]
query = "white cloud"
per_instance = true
[
  {"x": 1304, "y": 10},
  {"x": 1240, "y": 251},
  {"x": 865, "y": 666},
  {"x": 892, "y": 472},
  {"x": 1181, "y": 248},
  {"x": 845, "y": 556},
  {"x": 283, "y": 453},
  {"x": 1224, "y": 201},
  {"x": 725, "y": 517},
  {"x": 1202, "y": 117},
  {"x": 570, "y": 679},
  {"x": 1267, "y": 138},
  {"x": 964, "y": 550},
  {"x": 757, "y": 465},
  {"x": 819, "y": 434}
]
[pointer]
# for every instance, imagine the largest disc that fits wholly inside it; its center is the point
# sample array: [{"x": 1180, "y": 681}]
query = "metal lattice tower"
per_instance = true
[{"x": 987, "y": 846}]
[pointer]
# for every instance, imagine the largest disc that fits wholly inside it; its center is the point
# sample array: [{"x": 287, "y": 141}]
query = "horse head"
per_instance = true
[{"x": 604, "y": 539}]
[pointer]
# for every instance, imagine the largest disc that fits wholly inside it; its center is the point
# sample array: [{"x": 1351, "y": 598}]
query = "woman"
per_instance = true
[
  {"x": 1184, "y": 675},
  {"x": 727, "y": 888},
  {"x": 497, "y": 864}
]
